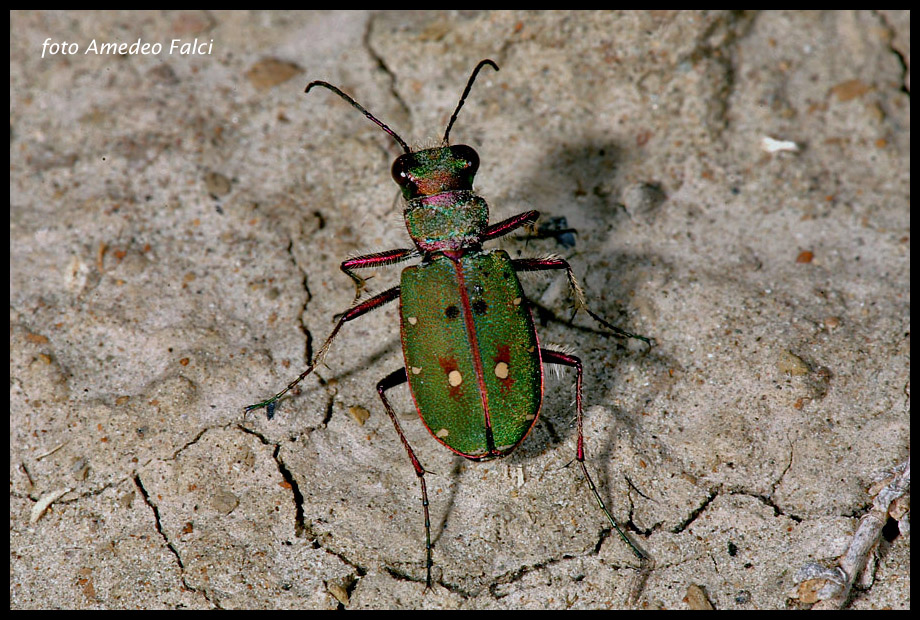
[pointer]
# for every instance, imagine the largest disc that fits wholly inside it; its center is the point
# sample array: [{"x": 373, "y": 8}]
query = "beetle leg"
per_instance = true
[
  {"x": 390, "y": 381},
  {"x": 543, "y": 264},
  {"x": 378, "y": 259},
  {"x": 504, "y": 227},
  {"x": 354, "y": 312},
  {"x": 555, "y": 357}
]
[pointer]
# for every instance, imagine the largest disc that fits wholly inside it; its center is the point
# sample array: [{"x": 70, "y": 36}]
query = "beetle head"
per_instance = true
[{"x": 434, "y": 171}]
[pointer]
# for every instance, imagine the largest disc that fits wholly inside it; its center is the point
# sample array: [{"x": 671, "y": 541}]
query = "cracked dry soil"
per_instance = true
[{"x": 176, "y": 228}]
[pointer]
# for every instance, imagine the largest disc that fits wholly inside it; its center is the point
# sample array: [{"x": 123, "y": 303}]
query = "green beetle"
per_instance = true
[{"x": 473, "y": 362}]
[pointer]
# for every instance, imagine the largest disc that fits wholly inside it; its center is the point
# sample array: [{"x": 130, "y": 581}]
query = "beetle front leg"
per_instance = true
[
  {"x": 371, "y": 304},
  {"x": 543, "y": 264},
  {"x": 555, "y": 357},
  {"x": 506, "y": 226},
  {"x": 378, "y": 259},
  {"x": 390, "y": 381}
]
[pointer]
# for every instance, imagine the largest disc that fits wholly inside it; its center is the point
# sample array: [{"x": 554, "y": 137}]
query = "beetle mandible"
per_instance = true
[{"x": 473, "y": 361}]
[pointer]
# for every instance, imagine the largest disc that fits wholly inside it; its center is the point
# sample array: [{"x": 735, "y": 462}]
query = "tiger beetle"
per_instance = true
[{"x": 473, "y": 361}]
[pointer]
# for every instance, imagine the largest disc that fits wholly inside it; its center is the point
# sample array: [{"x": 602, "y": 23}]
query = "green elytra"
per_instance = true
[
  {"x": 472, "y": 357},
  {"x": 471, "y": 352}
]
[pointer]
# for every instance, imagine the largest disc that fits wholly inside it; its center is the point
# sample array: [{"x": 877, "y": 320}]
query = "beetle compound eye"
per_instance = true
[
  {"x": 469, "y": 155},
  {"x": 400, "y": 170}
]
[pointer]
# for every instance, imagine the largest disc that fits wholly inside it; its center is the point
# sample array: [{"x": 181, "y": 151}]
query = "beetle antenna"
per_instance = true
[
  {"x": 466, "y": 92},
  {"x": 354, "y": 103}
]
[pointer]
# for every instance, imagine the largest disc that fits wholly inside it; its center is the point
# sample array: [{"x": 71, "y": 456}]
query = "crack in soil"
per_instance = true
[{"x": 169, "y": 544}]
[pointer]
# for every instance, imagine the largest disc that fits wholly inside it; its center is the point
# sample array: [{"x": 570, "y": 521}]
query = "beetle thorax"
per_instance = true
[
  {"x": 443, "y": 212},
  {"x": 447, "y": 221}
]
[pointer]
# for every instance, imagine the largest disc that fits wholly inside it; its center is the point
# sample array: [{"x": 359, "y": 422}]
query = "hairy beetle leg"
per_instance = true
[
  {"x": 544, "y": 264},
  {"x": 378, "y": 259},
  {"x": 555, "y": 357},
  {"x": 363, "y": 308},
  {"x": 390, "y": 381}
]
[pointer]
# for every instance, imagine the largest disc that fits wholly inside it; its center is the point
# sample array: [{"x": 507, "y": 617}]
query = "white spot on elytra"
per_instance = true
[
  {"x": 442, "y": 433},
  {"x": 516, "y": 301},
  {"x": 455, "y": 378},
  {"x": 412, "y": 320},
  {"x": 501, "y": 370},
  {"x": 416, "y": 370}
]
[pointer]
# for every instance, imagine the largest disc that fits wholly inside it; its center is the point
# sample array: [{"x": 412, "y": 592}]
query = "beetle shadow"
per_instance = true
[
  {"x": 440, "y": 524},
  {"x": 581, "y": 181}
]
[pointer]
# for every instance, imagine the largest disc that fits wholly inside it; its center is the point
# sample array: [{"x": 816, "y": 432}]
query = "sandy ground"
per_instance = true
[{"x": 176, "y": 225}]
